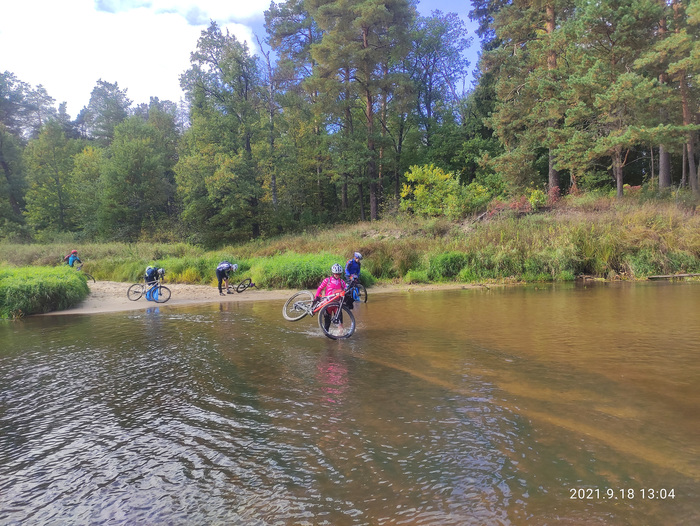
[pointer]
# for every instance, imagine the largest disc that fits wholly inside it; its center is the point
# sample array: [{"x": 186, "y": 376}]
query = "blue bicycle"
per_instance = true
[
  {"x": 153, "y": 292},
  {"x": 358, "y": 291}
]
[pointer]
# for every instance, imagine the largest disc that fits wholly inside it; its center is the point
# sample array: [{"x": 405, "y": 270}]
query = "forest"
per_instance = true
[{"x": 358, "y": 109}]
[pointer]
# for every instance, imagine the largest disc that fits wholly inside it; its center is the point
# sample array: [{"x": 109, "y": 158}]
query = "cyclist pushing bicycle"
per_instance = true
[
  {"x": 353, "y": 267},
  {"x": 72, "y": 258}
]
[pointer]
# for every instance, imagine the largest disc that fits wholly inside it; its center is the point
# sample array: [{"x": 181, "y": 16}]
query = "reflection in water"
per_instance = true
[{"x": 460, "y": 407}]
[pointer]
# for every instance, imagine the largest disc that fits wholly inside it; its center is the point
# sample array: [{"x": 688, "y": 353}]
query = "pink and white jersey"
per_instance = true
[{"x": 332, "y": 285}]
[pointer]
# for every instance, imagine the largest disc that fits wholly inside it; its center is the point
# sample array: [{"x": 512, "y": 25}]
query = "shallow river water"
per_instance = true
[{"x": 565, "y": 404}]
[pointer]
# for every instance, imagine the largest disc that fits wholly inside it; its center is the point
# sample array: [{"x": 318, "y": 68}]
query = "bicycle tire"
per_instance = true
[
  {"x": 135, "y": 292},
  {"x": 348, "y": 322},
  {"x": 361, "y": 293},
  {"x": 89, "y": 276},
  {"x": 292, "y": 311},
  {"x": 243, "y": 285},
  {"x": 163, "y": 294}
]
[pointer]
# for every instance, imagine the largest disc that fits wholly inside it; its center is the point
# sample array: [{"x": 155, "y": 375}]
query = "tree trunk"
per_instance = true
[
  {"x": 617, "y": 170},
  {"x": 664, "y": 156},
  {"x": 690, "y": 144},
  {"x": 372, "y": 164},
  {"x": 553, "y": 173},
  {"x": 361, "y": 197},
  {"x": 664, "y": 168},
  {"x": 344, "y": 192}
]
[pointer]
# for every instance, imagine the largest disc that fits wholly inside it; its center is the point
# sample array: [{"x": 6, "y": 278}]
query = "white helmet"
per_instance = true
[
  {"x": 357, "y": 255},
  {"x": 336, "y": 269},
  {"x": 234, "y": 267}
]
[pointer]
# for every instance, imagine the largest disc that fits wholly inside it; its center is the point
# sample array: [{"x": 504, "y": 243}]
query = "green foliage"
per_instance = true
[
  {"x": 446, "y": 265},
  {"x": 49, "y": 163},
  {"x": 35, "y": 290},
  {"x": 429, "y": 191},
  {"x": 135, "y": 185},
  {"x": 297, "y": 271},
  {"x": 416, "y": 276},
  {"x": 648, "y": 261},
  {"x": 595, "y": 235},
  {"x": 537, "y": 198}
]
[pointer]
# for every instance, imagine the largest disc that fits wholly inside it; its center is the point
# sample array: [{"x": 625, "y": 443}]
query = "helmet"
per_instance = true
[
  {"x": 161, "y": 272},
  {"x": 357, "y": 255},
  {"x": 234, "y": 267},
  {"x": 336, "y": 269},
  {"x": 73, "y": 251}
]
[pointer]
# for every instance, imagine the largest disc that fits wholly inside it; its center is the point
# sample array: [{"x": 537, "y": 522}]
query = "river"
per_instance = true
[{"x": 552, "y": 404}]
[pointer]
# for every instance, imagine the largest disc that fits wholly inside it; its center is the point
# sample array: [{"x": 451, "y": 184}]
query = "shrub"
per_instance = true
[
  {"x": 537, "y": 198},
  {"x": 416, "y": 276},
  {"x": 446, "y": 265},
  {"x": 430, "y": 191},
  {"x": 35, "y": 290}
]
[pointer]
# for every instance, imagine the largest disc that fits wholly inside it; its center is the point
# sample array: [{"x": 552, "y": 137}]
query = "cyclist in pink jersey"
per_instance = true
[{"x": 330, "y": 285}]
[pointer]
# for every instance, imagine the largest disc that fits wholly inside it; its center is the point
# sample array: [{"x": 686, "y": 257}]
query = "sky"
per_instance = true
[{"x": 143, "y": 45}]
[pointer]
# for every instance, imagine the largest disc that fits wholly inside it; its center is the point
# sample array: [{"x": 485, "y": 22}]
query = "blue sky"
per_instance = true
[{"x": 143, "y": 45}]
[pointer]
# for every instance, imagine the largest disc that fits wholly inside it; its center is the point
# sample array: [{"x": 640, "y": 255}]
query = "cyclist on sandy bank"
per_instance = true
[
  {"x": 153, "y": 274},
  {"x": 223, "y": 270}
]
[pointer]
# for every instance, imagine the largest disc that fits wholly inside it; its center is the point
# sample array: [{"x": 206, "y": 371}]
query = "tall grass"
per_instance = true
[
  {"x": 35, "y": 290},
  {"x": 596, "y": 236}
]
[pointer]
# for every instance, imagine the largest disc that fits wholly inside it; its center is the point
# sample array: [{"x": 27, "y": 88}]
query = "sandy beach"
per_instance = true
[{"x": 110, "y": 296}]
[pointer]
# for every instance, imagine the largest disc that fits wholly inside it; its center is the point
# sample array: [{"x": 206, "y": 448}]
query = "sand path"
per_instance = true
[{"x": 110, "y": 296}]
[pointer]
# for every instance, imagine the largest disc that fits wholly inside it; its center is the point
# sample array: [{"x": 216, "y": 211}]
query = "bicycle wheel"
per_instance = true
[
  {"x": 163, "y": 294},
  {"x": 135, "y": 291},
  {"x": 89, "y": 277},
  {"x": 329, "y": 319},
  {"x": 296, "y": 307},
  {"x": 243, "y": 285},
  {"x": 360, "y": 293}
]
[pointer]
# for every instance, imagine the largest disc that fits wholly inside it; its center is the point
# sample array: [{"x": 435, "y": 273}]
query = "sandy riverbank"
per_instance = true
[{"x": 110, "y": 296}]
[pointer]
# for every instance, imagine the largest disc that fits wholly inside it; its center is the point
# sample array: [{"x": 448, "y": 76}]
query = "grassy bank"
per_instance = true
[
  {"x": 600, "y": 237},
  {"x": 35, "y": 290}
]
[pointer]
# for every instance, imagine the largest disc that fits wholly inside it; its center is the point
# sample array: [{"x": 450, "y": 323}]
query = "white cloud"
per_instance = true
[{"x": 143, "y": 46}]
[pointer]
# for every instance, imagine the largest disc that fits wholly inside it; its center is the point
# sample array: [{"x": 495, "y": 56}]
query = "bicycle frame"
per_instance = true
[
  {"x": 326, "y": 300},
  {"x": 311, "y": 310}
]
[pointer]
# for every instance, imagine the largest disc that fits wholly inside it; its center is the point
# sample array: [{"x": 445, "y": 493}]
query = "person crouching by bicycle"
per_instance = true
[
  {"x": 353, "y": 267},
  {"x": 72, "y": 258},
  {"x": 223, "y": 271},
  {"x": 153, "y": 274},
  {"x": 329, "y": 286}
]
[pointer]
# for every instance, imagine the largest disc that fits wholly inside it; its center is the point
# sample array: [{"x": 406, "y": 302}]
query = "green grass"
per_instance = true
[
  {"x": 36, "y": 290},
  {"x": 593, "y": 235}
]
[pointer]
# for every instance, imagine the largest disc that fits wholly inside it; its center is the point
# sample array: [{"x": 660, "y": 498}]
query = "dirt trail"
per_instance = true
[{"x": 110, "y": 296}]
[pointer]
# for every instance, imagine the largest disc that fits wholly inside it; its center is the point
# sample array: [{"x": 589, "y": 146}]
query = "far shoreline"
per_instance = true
[{"x": 110, "y": 296}]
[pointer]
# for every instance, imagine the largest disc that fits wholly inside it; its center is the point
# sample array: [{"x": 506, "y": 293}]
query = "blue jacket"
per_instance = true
[
  {"x": 72, "y": 259},
  {"x": 352, "y": 267}
]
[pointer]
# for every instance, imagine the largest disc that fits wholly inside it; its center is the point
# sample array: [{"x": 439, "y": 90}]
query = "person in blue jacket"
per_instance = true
[
  {"x": 72, "y": 258},
  {"x": 353, "y": 266}
]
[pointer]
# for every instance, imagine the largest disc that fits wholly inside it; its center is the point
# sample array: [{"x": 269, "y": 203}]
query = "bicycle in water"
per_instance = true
[
  {"x": 357, "y": 290},
  {"x": 334, "y": 317}
]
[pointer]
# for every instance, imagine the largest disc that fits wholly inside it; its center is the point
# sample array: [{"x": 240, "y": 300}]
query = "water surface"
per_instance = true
[{"x": 490, "y": 406}]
